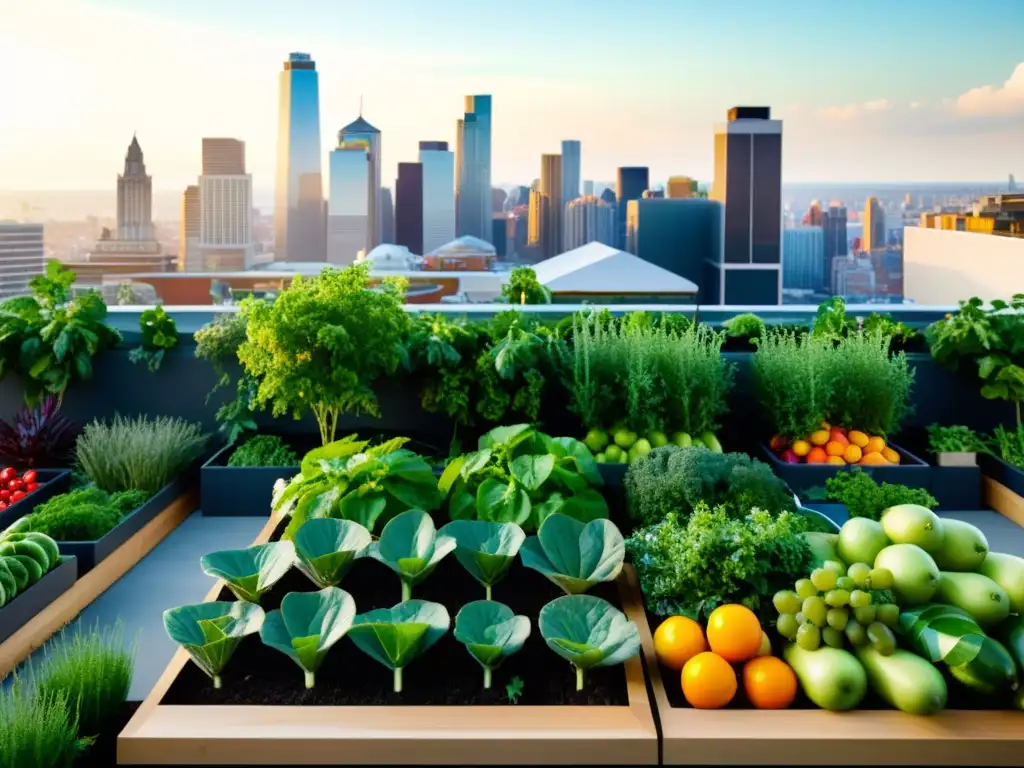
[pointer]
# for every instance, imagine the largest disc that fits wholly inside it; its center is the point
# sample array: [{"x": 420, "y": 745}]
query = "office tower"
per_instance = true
[
  {"x": 813, "y": 216},
  {"x": 360, "y": 133},
  {"x": 516, "y": 197},
  {"x": 683, "y": 236},
  {"x": 748, "y": 183},
  {"x": 802, "y": 265},
  {"x": 348, "y": 208},
  {"x": 409, "y": 207},
  {"x": 630, "y": 185},
  {"x": 873, "y": 236},
  {"x": 588, "y": 219},
  {"x": 608, "y": 195},
  {"x": 299, "y": 231},
  {"x": 223, "y": 157},
  {"x": 1011, "y": 184},
  {"x": 588, "y": 187},
  {"x": 459, "y": 139},
  {"x": 135, "y": 198},
  {"x": 833, "y": 224},
  {"x": 681, "y": 187},
  {"x": 498, "y": 199},
  {"x": 387, "y": 215},
  {"x": 438, "y": 194},
  {"x": 546, "y": 208},
  {"x": 570, "y": 169},
  {"x": 188, "y": 238},
  {"x": 499, "y": 235},
  {"x": 474, "y": 166},
  {"x": 21, "y": 257}
]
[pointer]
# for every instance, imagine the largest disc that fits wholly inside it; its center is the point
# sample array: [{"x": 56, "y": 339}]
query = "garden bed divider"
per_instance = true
[
  {"x": 237, "y": 491},
  {"x": 911, "y": 472}
]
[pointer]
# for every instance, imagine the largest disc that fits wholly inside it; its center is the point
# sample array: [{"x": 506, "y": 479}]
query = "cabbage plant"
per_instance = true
[
  {"x": 308, "y": 625},
  {"x": 588, "y": 632},
  {"x": 411, "y": 547},
  {"x": 210, "y": 632},
  {"x": 250, "y": 573},
  {"x": 574, "y": 555},
  {"x": 491, "y": 633},
  {"x": 485, "y": 549},
  {"x": 396, "y": 636},
  {"x": 325, "y": 549}
]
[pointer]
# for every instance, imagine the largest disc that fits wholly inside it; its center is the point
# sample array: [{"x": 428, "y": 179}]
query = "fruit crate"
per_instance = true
[{"x": 911, "y": 471}]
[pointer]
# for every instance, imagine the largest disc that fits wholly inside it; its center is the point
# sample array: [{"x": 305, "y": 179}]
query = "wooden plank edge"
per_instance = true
[
  {"x": 34, "y": 634},
  {"x": 1004, "y": 501}
]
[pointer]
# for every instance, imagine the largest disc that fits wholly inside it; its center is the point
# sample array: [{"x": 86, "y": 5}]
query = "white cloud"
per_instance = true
[{"x": 992, "y": 100}]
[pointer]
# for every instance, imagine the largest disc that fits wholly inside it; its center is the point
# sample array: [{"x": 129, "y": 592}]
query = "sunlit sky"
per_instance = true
[{"x": 877, "y": 90}]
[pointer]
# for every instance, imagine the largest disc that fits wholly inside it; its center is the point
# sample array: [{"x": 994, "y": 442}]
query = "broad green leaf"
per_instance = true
[
  {"x": 942, "y": 633},
  {"x": 499, "y": 502},
  {"x": 411, "y": 547},
  {"x": 565, "y": 475},
  {"x": 545, "y": 509},
  {"x": 532, "y": 471},
  {"x": 485, "y": 549},
  {"x": 506, "y": 437},
  {"x": 320, "y": 500},
  {"x": 363, "y": 509},
  {"x": 396, "y": 636},
  {"x": 588, "y": 632},
  {"x": 326, "y": 548},
  {"x": 490, "y": 631},
  {"x": 451, "y": 473},
  {"x": 391, "y": 447},
  {"x": 474, "y": 462},
  {"x": 339, "y": 449},
  {"x": 574, "y": 555},
  {"x": 589, "y": 504},
  {"x": 210, "y": 632},
  {"x": 308, "y": 625},
  {"x": 413, "y": 494},
  {"x": 250, "y": 573},
  {"x": 584, "y": 461},
  {"x": 462, "y": 505}
]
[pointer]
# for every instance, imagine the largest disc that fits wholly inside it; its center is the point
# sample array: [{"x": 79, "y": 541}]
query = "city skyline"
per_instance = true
[{"x": 891, "y": 118}]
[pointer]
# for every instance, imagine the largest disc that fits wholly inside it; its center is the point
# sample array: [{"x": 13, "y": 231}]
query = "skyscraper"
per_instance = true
[
  {"x": 387, "y": 215},
  {"x": 630, "y": 184},
  {"x": 873, "y": 236},
  {"x": 680, "y": 187},
  {"x": 748, "y": 182},
  {"x": 361, "y": 133},
  {"x": 588, "y": 219},
  {"x": 802, "y": 265},
  {"x": 348, "y": 218},
  {"x": 813, "y": 216},
  {"x": 409, "y": 206},
  {"x": 188, "y": 237},
  {"x": 223, "y": 157},
  {"x": 474, "y": 167},
  {"x": 21, "y": 257},
  {"x": 570, "y": 169},
  {"x": 588, "y": 187},
  {"x": 225, "y": 204},
  {"x": 438, "y": 194},
  {"x": 546, "y": 208},
  {"x": 135, "y": 198},
  {"x": 836, "y": 243},
  {"x": 299, "y": 230}
]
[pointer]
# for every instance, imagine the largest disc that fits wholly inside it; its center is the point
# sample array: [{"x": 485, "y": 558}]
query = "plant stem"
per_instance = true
[
  {"x": 406, "y": 592},
  {"x": 579, "y": 678},
  {"x": 216, "y": 681},
  {"x": 488, "y": 588},
  {"x": 398, "y": 680},
  {"x": 309, "y": 679},
  {"x": 487, "y": 677}
]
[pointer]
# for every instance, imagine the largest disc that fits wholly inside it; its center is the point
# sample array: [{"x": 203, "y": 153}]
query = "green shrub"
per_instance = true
[
  {"x": 140, "y": 454},
  {"x": 791, "y": 373},
  {"x": 864, "y": 497},
  {"x": 263, "y": 451},
  {"x": 84, "y": 514},
  {"x": 673, "y": 480},
  {"x": 36, "y": 730}
]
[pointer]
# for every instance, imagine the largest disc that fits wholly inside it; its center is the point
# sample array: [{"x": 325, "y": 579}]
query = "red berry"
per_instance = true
[
  {"x": 31, "y": 487},
  {"x": 29, "y": 477},
  {"x": 15, "y": 484},
  {"x": 17, "y": 496}
]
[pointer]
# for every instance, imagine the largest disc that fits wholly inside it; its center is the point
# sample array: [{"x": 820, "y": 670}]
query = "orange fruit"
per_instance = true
[
  {"x": 801, "y": 448},
  {"x": 839, "y": 436},
  {"x": 769, "y": 683},
  {"x": 820, "y": 437},
  {"x": 853, "y": 454},
  {"x": 838, "y": 461},
  {"x": 890, "y": 455},
  {"x": 858, "y": 438},
  {"x": 677, "y": 640},
  {"x": 873, "y": 458},
  {"x": 834, "y": 448},
  {"x": 709, "y": 682},
  {"x": 734, "y": 632},
  {"x": 817, "y": 455},
  {"x": 875, "y": 445}
]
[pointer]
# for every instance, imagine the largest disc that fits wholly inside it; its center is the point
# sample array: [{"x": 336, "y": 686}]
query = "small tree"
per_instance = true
[
  {"x": 522, "y": 288},
  {"x": 322, "y": 344}
]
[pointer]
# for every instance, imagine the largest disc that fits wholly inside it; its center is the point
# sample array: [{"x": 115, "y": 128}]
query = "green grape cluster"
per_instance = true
[{"x": 835, "y": 606}]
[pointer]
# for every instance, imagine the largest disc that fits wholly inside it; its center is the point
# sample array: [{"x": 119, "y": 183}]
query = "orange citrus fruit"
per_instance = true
[
  {"x": 801, "y": 448},
  {"x": 709, "y": 682},
  {"x": 858, "y": 438},
  {"x": 835, "y": 448},
  {"x": 817, "y": 455},
  {"x": 853, "y": 454},
  {"x": 890, "y": 455},
  {"x": 872, "y": 458},
  {"x": 677, "y": 640},
  {"x": 820, "y": 437},
  {"x": 875, "y": 445},
  {"x": 769, "y": 683},
  {"x": 734, "y": 632},
  {"x": 837, "y": 461}
]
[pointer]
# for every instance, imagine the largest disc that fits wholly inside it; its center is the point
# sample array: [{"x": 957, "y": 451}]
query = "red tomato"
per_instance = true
[
  {"x": 31, "y": 487},
  {"x": 15, "y": 484},
  {"x": 4, "y": 494},
  {"x": 3, "y": 506},
  {"x": 17, "y": 496},
  {"x": 29, "y": 477},
  {"x": 8, "y": 474}
]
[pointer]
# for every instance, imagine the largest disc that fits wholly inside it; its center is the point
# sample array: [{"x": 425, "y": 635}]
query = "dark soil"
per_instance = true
[
  {"x": 445, "y": 675},
  {"x": 103, "y": 753}
]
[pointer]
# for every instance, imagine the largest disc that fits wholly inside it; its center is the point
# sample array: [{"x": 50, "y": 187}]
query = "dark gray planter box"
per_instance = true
[
  {"x": 1002, "y": 472},
  {"x": 957, "y": 487},
  {"x": 237, "y": 491},
  {"x": 52, "y": 482},
  {"x": 911, "y": 471},
  {"x": 36, "y": 598},
  {"x": 92, "y": 553}
]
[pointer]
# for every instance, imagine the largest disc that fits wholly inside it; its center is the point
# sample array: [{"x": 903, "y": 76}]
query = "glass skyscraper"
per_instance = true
[
  {"x": 570, "y": 170},
  {"x": 473, "y": 157},
  {"x": 438, "y": 194},
  {"x": 299, "y": 227}
]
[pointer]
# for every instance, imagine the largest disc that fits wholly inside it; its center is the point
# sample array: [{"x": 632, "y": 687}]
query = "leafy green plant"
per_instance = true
[
  {"x": 37, "y": 730},
  {"x": 396, "y": 636},
  {"x": 308, "y": 625},
  {"x": 588, "y": 632},
  {"x": 84, "y": 514},
  {"x": 573, "y": 555},
  {"x": 250, "y": 573},
  {"x": 217, "y": 342},
  {"x": 864, "y": 497},
  {"x": 50, "y": 338},
  {"x": 673, "y": 479},
  {"x": 792, "y": 379},
  {"x": 954, "y": 439},
  {"x": 832, "y": 323},
  {"x": 142, "y": 454},
  {"x": 869, "y": 388},
  {"x": 514, "y": 689},
  {"x": 1010, "y": 444},
  {"x": 159, "y": 334},
  {"x": 754, "y": 556},
  {"x": 485, "y": 549},
  {"x": 93, "y": 670},
  {"x": 326, "y": 548},
  {"x": 747, "y": 326},
  {"x": 523, "y": 288},
  {"x": 350, "y": 481},
  {"x": 263, "y": 451},
  {"x": 491, "y": 633},
  {"x": 410, "y": 546},
  {"x": 210, "y": 632},
  {"x": 519, "y": 475},
  {"x": 323, "y": 344}
]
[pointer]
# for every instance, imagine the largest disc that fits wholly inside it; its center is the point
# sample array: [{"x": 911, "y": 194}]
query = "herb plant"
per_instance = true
[
  {"x": 159, "y": 334},
  {"x": 864, "y": 497},
  {"x": 326, "y": 548},
  {"x": 38, "y": 436},
  {"x": 491, "y": 633},
  {"x": 831, "y": 322},
  {"x": 573, "y": 555},
  {"x": 250, "y": 573},
  {"x": 323, "y": 344},
  {"x": 518, "y": 475},
  {"x": 84, "y": 514},
  {"x": 210, "y": 632},
  {"x": 410, "y": 546},
  {"x": 263, "y": 451},
  {"x": 1010, "y": 444},
  {"x": 523, "y": 288},
  {"x": 37, "y": 729},
  {"x": 396, "y": 636},
  {"x": 217, "y": 342},
  {"x": 746, "y": 326},
  {"x": 514, "y": 689},
  {"x": 954, "y": 439},
  {"x": 486, "y": 550}
]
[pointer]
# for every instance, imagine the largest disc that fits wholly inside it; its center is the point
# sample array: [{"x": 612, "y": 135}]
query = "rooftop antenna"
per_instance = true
[{"x": 360, "y": 105}]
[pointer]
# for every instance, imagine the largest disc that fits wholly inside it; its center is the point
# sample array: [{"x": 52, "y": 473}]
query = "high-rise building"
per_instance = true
[
  {"x": 438, "y": 194},
  {"x": 1011, "y": 184},
  {"x": 499, "y": 235},
  {"x": 681, "y": 187},
  {"x": 630, "y": 184},
  {"x": 188, "y": 237},
  {"x": 299, "y": 228},
  {"x": 223, "y": 157},
  {"x": 360, "y": 133},
  {"x": 588, "y": 187},
  {"x": 546, "y": 208},
  {"x": 873, "y": 237},
  {"x": 409, "y": 207},
  {"x": 225, "y": 208},
  {"x": 135, "y": 198},
  {"x": 748, "y": 183},
  {"x": 387, "y": 215},
  {"x": 813, "y": 216},
  {"x": 588, "y": 219},
  {"x": 348, "y": 208},
  {"x": 570, "y": 169},
  {"x": 802, "y": 265},
  {"x": 21, "y": 257},
  {"x": 836, "y": 243},
  {"x": 474, "y": 169}
]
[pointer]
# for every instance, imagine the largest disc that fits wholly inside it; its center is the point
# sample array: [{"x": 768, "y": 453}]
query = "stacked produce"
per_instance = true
[
  {"x": 24, "y": 559},
  {"x": 14, "y": 487},
  {"x": 835, "y": 445},
  {"x": 623, "y": 446}
]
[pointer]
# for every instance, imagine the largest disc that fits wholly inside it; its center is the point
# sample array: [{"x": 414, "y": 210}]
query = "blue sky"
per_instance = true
[{"x": 873, "y": 90}]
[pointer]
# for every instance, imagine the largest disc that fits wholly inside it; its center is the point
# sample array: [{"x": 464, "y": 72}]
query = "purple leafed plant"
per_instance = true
[{"x": 39, "y": 437}]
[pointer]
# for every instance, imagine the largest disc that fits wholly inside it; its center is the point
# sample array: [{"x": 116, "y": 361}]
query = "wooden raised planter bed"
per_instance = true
[
  {"x": 814, "y": 737},
  {"x": 34, "y": 600},
  {"x": 911, "y": 471},
  {"x": 1003, "y": 487},
  {"x": 390, "y": 734},
  {"x": 52, "y": 482}
]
